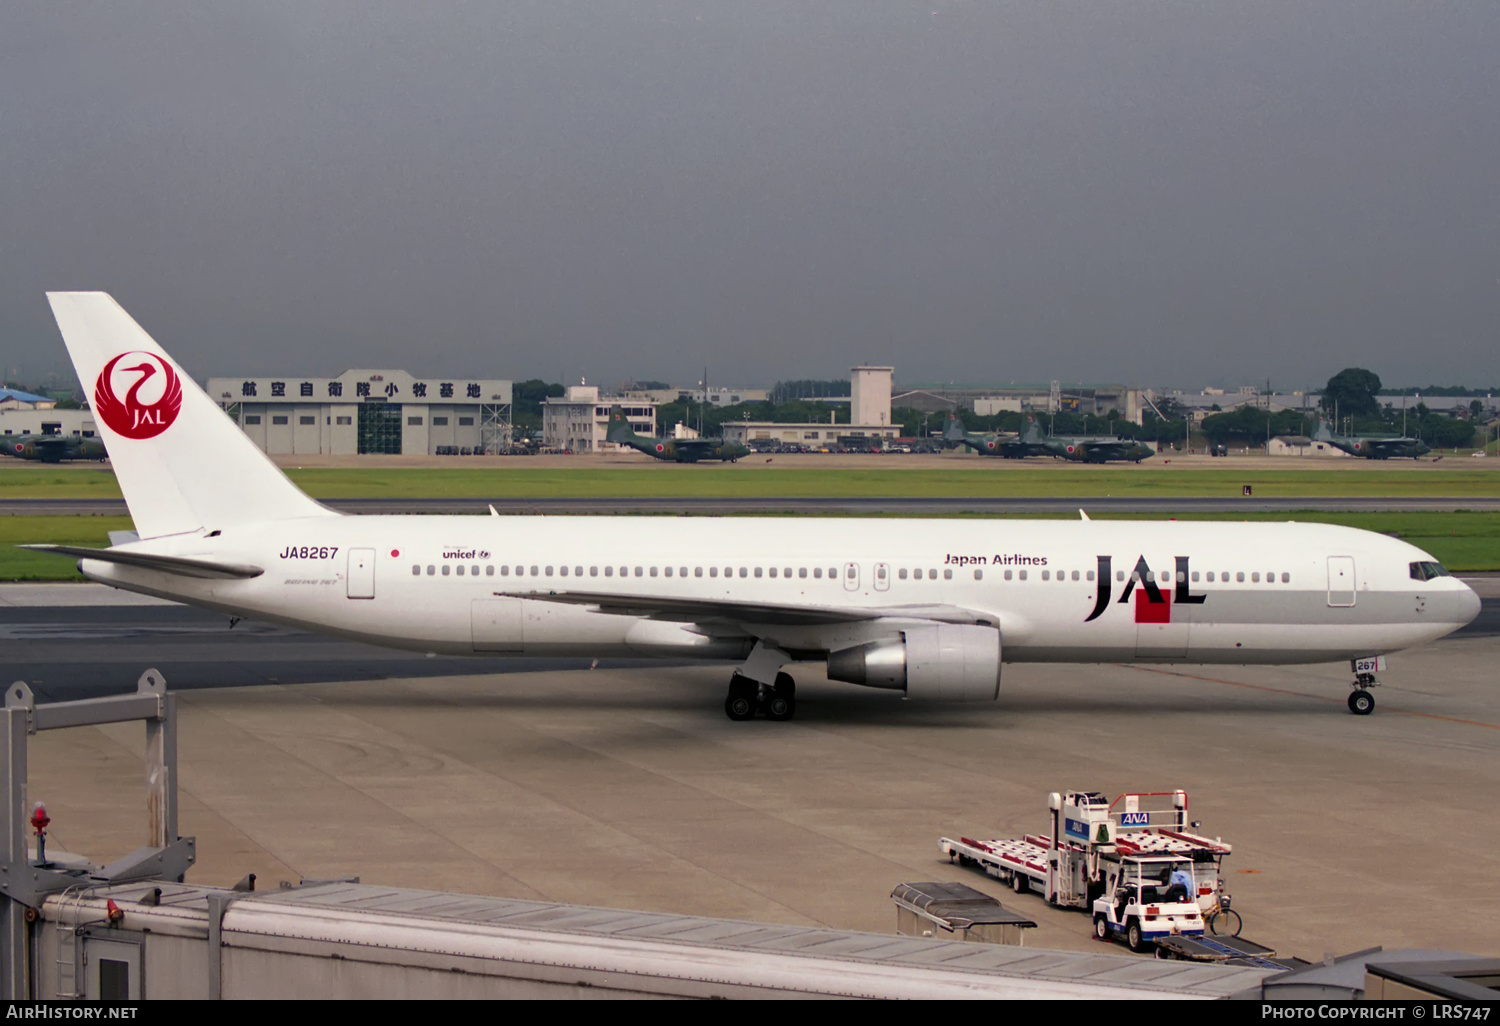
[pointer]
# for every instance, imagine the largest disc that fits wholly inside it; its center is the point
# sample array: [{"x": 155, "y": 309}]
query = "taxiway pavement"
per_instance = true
[{"x": 627, "y": 786}]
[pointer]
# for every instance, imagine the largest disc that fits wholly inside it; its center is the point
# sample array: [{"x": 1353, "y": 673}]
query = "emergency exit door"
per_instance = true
[{"x": 361, "y": 575}]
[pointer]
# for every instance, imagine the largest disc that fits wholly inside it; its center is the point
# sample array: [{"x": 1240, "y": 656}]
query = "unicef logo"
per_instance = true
[{"x": 152, "y": 395}]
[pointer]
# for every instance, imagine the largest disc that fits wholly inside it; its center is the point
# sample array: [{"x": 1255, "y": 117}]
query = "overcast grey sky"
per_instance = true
[{"x": 1153, "y": 193}]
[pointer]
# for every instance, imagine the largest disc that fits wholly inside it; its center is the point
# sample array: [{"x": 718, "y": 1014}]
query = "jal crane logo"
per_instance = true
[{"x": 153, "y": 395}]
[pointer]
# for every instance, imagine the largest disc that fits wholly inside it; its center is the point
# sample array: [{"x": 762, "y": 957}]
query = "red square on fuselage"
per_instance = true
[{"x": 1147, "y": 611}]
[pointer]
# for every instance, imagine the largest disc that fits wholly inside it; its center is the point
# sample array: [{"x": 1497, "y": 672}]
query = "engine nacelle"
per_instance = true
[{"x": 941, "y": 662}]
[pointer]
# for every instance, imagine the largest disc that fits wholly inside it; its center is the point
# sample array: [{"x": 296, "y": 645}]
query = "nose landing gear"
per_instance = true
[{"x": 1361, "y": 702}]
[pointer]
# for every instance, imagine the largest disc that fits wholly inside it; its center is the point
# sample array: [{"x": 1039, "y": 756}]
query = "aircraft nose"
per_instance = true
[{"x": 1461, "y": 606}]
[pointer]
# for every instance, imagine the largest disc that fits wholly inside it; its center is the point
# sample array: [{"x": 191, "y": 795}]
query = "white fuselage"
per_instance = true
[{"x": 1279, "y": 593}]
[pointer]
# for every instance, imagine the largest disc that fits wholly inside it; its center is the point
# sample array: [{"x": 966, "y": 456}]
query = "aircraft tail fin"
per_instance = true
[
  {"x": 1323, "y": 433},
  {"x": 955, "y": 429},
  {"x": 620, "y": 431},
  {"x": 1033, "y": 431},
  {"x": 182, "y": 465}
]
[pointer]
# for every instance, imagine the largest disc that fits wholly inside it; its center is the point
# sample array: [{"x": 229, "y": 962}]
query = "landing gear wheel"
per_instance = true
[
  {"x": 779, "y": 701},
  {"x": 740, "y": 705},
  {"x": 1133, "y": 936},
  {"x": 1361, "y": 702},
  {"x": 1101, "y": 928},
  {"x": 1018, "y": 883}
]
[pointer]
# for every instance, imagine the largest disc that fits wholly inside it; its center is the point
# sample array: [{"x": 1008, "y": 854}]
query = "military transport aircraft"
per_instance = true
[
  {"x": 1097, "y": 448},
  {"x": 928, "y": 609},
  {"x": 1373, "y": 447},
  {"x": 677, "y": 450},
  {"x": 1011, "y": 448},
  {"x": 53, "y": 448}
]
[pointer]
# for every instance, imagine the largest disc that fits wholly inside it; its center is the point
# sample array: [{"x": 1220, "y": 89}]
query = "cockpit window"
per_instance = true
[{"x": 1425, "y": 570}]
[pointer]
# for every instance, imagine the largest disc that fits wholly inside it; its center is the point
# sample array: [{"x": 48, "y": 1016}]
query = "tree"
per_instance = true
[{"x": 1352, "y": 392}]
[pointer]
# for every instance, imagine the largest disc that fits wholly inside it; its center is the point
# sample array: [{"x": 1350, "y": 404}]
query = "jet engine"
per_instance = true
[{"x": 939, "y": 662}]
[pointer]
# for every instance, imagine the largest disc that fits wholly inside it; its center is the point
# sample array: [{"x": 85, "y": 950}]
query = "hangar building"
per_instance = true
[{"x": 370, "y": 411}]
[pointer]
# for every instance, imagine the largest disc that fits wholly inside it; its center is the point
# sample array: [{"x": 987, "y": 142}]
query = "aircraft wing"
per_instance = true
[
  {"x": 182, "y": 566},
  {"x": 688, "y": 610},
  {"x": 692, "y": 444}
]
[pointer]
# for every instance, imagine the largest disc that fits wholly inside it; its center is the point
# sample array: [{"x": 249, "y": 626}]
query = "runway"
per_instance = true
[{"x": 935, "y": 506}]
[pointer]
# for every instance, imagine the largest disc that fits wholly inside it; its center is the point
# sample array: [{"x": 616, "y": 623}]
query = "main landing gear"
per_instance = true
[
  {"x": 1361, "y": 702},
  {"x": 746, "y": 697}
]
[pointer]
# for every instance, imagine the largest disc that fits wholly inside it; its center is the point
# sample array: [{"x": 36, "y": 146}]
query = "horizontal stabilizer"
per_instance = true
[
  {"x": 182, "y": 566},
  {"x": 687, "y": 610}
]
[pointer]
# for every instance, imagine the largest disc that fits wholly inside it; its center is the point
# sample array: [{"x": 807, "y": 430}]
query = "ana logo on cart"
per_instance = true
[{"x": 152, "y": 395}]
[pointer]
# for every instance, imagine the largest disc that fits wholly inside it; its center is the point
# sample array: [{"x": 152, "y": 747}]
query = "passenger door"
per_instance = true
[
  {"x": 1341, "y": 581},
  {"x": 361, "y": 573}
]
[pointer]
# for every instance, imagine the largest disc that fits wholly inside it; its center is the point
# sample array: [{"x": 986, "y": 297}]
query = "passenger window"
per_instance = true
[
  {"x": 833, "y": 572},
  {"x": 593, "y": 571},
  {"x": 609, "y": 571},
  {"x": 505, "y": 571},
  {"x": 901, "y": 574},
  {"x": 460, "y": 570},
  {"x": 1007, "y": 575},
  {"x": 978, "y": 575},
  {"x": 640, "y": 571},
  {"x": 802, "y": 571},
  {"x": 697, "y": 571},
  {"x": 682, "y": 571},
  {"x": 1255, "y": 577},
  {"x": 578, "y": 571},
  {"x": 489, "y": 571},
  {"x": 786, "y": 571},
  {"x": 932, "y": 575},
  {"x": 561, "y": 570},
  {"x": 1046, "y": 575},
  {"x": 1023, "y": 575},
  {"x": 1181, "y": 576},
  {"x": 773, "y": 571},
  {"x": 653, "y": 571},
  {"x": 744, "y": 571},
  {"x": 431, "y": 569},
  {"x": 818, "y": 572},
  {"x": 1286, "y": 578},
  {"x": 947, "y": 575},
  {"x": 1075, "y": 575},
  {"x": 445, "y": 569},
  {"x": 1090, "y": 575},
  {"x": 1135, "y": 575},
  {"x": 1240, "y": 577},
  {"x": 1195, "y": 577},
  {"x": 1165, "y": 575},
  {"x": 713, "y": 571},
  {"x": 667, "y": 571},
  {"x": 1210, "y": 577},
  {"x": 1120, "y": 575},
  {"x": 416, "y": 571},
  {"x": 549, "y": 571},
  {"x": 757, "y": 571},
  {"x": 535, "y": 570}
]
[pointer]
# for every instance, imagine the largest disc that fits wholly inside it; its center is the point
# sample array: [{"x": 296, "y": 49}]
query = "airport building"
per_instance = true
[
  {"x": 869, "y": 418},
  {"x": 370, "y": 411},
  {"x": 578, "y": 420}
]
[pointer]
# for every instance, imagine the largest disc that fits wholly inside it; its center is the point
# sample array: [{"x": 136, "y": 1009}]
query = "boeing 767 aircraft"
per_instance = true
[{"x": 929, "y": 609}]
